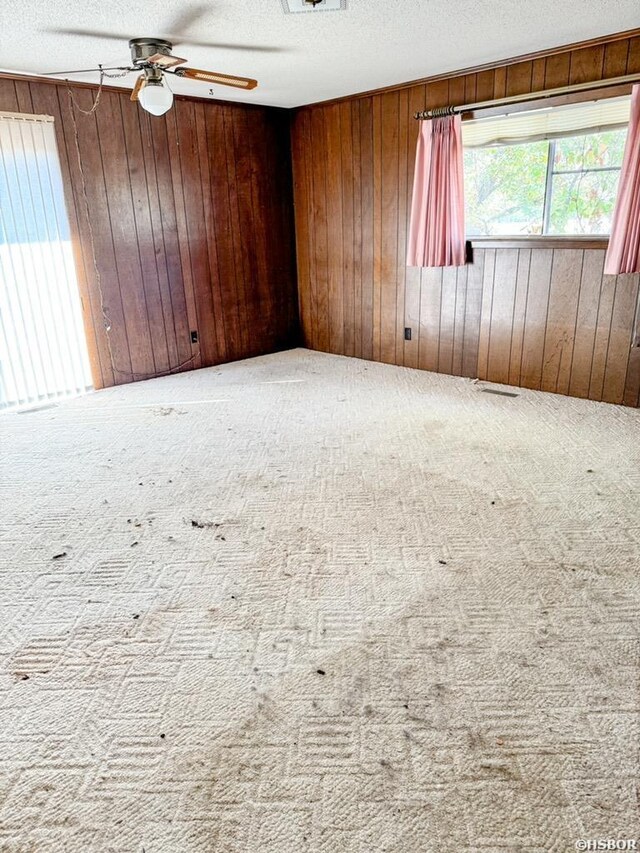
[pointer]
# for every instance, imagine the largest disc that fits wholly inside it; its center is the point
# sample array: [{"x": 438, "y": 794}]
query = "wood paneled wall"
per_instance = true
[
  {"x": 543, "y": 318},
  {"x": 189, "y": 217}
]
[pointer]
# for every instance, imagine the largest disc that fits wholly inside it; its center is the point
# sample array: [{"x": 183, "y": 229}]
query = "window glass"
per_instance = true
[
  {"x": 564, "y": 186},
  {"x": 504, "y": 188},
  {"x": 596, "y": 151},
  {"x": 582, "y": 202}
]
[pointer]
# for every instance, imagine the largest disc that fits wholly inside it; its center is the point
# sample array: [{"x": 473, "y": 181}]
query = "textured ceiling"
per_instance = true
[{"x": 321, "y": 54}]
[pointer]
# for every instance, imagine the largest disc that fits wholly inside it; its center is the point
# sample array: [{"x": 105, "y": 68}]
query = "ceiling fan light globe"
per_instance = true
[{"x": 156, "y": 98}]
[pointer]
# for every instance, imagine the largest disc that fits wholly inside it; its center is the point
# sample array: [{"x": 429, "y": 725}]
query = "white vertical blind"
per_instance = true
[{"x": 43, "y": 352}]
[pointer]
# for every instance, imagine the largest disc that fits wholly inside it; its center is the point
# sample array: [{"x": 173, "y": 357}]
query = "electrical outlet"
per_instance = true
[
  {"x": 194, "y": 336},
  {"x": 407, "y": 333}
]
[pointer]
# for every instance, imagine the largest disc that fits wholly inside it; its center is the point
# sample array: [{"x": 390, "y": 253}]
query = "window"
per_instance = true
[
  {"x": 519, "y": 184},
  {"x": 43, "y": 351}
]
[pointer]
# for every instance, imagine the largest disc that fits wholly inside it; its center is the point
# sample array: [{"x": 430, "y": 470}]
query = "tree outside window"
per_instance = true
[{"x": 565, "y": 186}]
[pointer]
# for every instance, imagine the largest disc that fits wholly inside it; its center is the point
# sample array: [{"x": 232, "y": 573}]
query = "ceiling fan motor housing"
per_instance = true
[{"x": 143, "y": 48}]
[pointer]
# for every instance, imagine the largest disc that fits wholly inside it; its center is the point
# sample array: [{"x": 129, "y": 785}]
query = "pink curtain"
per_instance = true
[
  {"x": 436, "y": 230},
  {"x": 623, "y": 254}
]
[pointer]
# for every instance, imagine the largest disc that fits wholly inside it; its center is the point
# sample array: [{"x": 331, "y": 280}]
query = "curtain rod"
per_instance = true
[{"x": 529, "y": 96}]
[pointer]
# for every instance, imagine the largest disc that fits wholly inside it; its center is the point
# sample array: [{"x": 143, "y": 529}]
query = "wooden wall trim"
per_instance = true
[
  {"x": 491, "y": 66},
  {"x": 539, "y": 242}
]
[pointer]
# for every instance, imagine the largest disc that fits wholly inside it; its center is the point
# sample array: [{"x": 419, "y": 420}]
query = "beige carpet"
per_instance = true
[{"x": 308, "y": 603}]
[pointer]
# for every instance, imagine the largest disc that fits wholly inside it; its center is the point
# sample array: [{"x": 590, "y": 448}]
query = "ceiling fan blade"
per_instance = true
[
  {"x": 185, "y": 20},
  {"x": 166, "y": 60},
  {"x": 188, "y": 18},
  {"x": 215, "y": 77},
  {"x": 98, "y": 34},
  {"x": 140, "y": 82},
  {"x": 256, "y": 48},
  {"x": 174, "y": 39},
  {"x": 87, "y": 70}
]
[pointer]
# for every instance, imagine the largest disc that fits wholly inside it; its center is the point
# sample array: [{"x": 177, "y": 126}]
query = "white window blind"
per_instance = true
[
  {"x": 43, "y": 353},
  {"x": 547, "y": 123}
]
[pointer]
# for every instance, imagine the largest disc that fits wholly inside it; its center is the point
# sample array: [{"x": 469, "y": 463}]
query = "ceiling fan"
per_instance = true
[{"x": 152, "y": 57}]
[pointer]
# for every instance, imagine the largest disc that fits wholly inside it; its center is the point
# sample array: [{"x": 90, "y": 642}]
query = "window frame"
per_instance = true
[
  {"x": 548, "y": 189},
  {"x": 550, "y": 241}
]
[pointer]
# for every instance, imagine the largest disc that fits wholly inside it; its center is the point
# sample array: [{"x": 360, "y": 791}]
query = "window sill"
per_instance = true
[{"x": 540, "y": 242}]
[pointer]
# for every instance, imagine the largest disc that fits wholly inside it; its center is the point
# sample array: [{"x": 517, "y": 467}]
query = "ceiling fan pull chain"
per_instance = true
[
  {"x": 122, "y": 73},
  {"x": 75, "y": 104}
]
